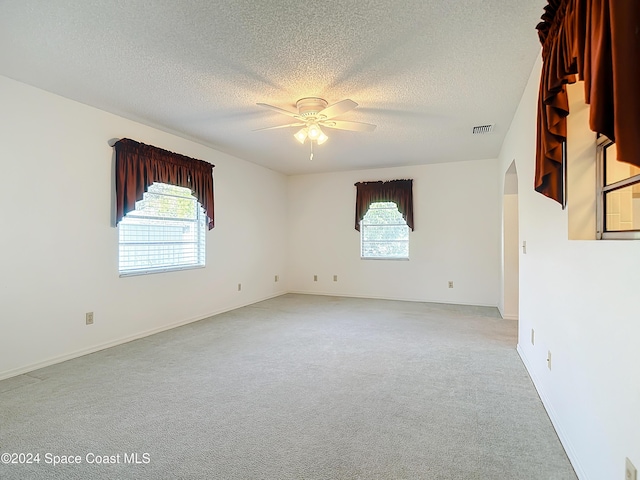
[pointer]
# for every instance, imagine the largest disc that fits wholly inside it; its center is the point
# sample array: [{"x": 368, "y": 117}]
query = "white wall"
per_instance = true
[
  {"x": 581, "y": 297},
  {"x": 59, "y": 251},
  {"x": 456, "y": 237},
  {"x": 511, "y": 252},
  {"x": 58, "y": 259}
]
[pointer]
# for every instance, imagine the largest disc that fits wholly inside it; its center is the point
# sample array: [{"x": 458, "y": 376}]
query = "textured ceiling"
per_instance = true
[{"x": 424, "y": 71}]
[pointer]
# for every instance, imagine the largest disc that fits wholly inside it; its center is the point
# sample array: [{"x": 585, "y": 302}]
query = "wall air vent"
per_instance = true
[{"x": 480, "y": 129}]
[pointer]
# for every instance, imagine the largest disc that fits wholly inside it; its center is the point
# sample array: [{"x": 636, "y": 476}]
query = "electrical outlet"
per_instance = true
[
  {"x": 315, "y": 278},
  {"x": 630, "y": 472},
  {"x": 239, "y": 287},
  {"x": 335, "y": 278},
  {"x": 450, "y": 284},
  {"x": 524, "y": 247},
  {"x": 276, "y": 278},
  {"x": 533, "y": 337},
  {"x": 549, "y": 359},
  {"x": 89, "y": 318}
]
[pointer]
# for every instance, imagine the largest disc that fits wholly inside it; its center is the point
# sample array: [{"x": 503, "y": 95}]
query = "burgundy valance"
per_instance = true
[
  {"x": 399, "y": 192},
  {"x": 599, "y": 42},
  {"x": 138, "y": 166}
]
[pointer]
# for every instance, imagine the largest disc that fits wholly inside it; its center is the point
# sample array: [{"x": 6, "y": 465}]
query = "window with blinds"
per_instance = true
[
  {"x": 165, "y": 232},
  {"x": 384, "y": 232}
]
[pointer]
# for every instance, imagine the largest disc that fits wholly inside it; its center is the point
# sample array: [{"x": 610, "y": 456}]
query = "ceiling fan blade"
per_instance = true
[
  {"x": 347, "y": 125},
  {"x": 281, "y": 126},
  {"x": 279, "y": 110},
  {"x": 339, "y": 108}
]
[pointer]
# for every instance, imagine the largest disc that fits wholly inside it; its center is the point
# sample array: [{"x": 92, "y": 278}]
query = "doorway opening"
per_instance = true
[{"x": 510, "y": 245}]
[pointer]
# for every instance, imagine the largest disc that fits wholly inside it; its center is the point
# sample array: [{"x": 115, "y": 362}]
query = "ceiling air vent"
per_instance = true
[{"x": 480, "y": 129}]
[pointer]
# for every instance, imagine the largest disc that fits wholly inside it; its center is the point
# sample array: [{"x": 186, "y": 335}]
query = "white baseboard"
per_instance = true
[
  {"x": 120, "y": 341},
  {"x": 555, "y": 420},
  {"x": 564, "y": 439},
  {"x": 505, "y": 316},
  {"x": 398, "y": 299}
]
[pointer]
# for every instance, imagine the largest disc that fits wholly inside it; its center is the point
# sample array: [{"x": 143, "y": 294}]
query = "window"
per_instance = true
[
  {"x": 384, "y": 232},
  {"x": 166, "y": 231},
  {"x": 618, "y": 206}
]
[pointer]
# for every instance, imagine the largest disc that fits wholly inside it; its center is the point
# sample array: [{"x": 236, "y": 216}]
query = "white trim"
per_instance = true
[
  {"x": 507, "y": 317},
  {"x": 621, "y": 235},
  {"x": 602, "y": 188},
  {"x": 96, "y": 348},
  {"x": 385, "y": 258},
  {"x": 555, "y": 419},
  {"x": 397, "y": 299},
  {"x": 136, "y": 273}
]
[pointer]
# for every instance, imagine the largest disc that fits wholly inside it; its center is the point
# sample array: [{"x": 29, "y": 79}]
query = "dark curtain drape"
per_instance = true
[
  {"x": 398, "y": 191},
  {"x": 138, "y": 166},
  {"x": 597, "y": 41}
]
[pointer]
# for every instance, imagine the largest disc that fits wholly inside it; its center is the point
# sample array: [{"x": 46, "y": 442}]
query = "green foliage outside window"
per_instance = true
[{"x": 384, "y": 233}]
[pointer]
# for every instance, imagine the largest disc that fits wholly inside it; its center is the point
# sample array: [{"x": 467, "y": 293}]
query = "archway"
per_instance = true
[{"x": 510, "y": 245}]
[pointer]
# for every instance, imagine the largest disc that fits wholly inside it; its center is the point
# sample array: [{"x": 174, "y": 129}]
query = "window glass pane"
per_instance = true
[
  {"x": 167, "y": 201},
  {"x": 170, "y": 190},
  {"x": 165, "y": 231},
  {"x": 383, "y": 212},
  {"x": 622, "y": 209},
  {"x": 385, "y": 250},
  {"x": 615, "y": 170},
  {"x": 384, "y": 233}
]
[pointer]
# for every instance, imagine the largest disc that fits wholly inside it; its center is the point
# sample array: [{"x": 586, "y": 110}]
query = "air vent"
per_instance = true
[{"x": 481, "y": 129}]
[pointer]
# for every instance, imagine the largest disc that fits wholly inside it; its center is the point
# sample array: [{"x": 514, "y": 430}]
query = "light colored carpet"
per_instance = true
[{"x": 296, "y": 387}]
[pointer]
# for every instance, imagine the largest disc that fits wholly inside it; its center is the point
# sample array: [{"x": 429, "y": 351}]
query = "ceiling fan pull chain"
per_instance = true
[{"x": 311, "y": 143}]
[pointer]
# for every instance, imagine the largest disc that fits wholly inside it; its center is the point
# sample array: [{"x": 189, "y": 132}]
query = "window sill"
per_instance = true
[
  {"x": 403, "y": 259},
  {"x": 137, "y": 273},
  {"x": 621, "y": 235}
]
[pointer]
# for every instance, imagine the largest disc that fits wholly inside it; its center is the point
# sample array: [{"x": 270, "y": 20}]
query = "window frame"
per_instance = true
[
  {"x": 602, "y": 143},
  {"x": 200, "y": 225},
  {"x": 363, "y": 227}
]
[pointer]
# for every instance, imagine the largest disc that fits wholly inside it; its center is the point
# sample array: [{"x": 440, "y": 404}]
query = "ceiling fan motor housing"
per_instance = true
[
  {"x": 314, "y": 112},
  {"x": 310, "y": 106}
]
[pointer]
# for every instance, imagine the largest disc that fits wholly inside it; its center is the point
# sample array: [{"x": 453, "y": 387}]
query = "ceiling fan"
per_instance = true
[{"x": 313, "y": 113}]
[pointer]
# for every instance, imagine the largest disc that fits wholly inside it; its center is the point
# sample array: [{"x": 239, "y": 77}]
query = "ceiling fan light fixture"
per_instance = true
[
  {"x": 314, "y": 131},
  {"x": 322, "y": 138},
  {"x": 301, "y": 135},
  {"x": 314, "y": 112}
]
